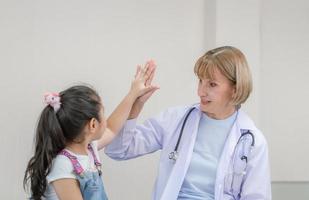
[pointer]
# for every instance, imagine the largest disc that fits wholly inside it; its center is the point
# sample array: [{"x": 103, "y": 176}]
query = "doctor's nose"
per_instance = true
[
  {"x": 202, "y": 88},
  {"x": 202, "y": 91}
]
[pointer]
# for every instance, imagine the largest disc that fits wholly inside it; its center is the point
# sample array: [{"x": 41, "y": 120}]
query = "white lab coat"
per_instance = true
[{"x": 161, "y": 133}]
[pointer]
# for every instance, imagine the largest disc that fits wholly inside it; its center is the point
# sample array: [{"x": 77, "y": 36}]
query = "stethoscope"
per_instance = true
[
  {"x": 174, "y": 154},
  {"x": 244, "y": 134}
]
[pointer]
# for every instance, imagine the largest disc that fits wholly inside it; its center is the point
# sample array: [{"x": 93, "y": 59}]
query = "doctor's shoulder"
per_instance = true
[
  {"x": 172, "y": 116},
  {"x": 175, "y": 112},
  {"x": 261, "y": 146},
  {"x": 260, "y": 142}
]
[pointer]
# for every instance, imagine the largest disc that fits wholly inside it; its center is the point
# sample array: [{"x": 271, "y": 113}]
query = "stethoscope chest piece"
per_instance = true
[{"x": 173, "y": 155}]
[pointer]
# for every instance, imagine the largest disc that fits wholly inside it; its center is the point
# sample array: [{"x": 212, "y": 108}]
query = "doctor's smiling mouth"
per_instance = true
[{"x": 205, "y": 102}]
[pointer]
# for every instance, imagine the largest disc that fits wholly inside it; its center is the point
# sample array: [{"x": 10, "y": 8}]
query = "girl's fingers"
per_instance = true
[
  {"x": 141, "y": 73},
  {"x": 146, "y": 73},
  {"x": 138, "y": 70}
]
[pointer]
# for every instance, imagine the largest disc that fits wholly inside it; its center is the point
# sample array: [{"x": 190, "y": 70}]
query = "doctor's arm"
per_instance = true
[
  {"x": 140, "y": 101},
  {"x": 137, "y": 140},
  {"x": 257, "y": 182}
]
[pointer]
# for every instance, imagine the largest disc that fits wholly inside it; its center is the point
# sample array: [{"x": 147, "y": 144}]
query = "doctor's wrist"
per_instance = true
[{"x": 136, "y": 109}]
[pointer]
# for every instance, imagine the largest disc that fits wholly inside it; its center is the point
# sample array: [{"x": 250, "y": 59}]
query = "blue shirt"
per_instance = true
[{"x": 199, "y": 182}]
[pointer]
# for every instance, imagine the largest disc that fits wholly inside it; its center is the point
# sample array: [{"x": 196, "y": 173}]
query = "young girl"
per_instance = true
[{"x": 71, "y": 130}]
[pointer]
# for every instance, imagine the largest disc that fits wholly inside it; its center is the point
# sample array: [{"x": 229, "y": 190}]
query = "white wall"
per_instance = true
[
  {"x": 50, "y": 45},
  {"x": 237, "y": 24},
  {"x": 284, "y": 86},
  {"x": 274, "y": 35}
]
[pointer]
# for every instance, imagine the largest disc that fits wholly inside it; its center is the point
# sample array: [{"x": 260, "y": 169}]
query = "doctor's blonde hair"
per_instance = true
[{"x": 232, "y": 63}]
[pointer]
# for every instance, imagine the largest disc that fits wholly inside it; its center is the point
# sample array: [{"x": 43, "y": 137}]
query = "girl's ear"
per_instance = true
[{"x": 92, "y": 125}]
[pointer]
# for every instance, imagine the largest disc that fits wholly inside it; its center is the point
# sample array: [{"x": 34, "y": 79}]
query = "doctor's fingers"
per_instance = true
[
  {"x": 150, "y": 71},
  {"x": 150, "y": 65},
  {"x": 150, "y": 78},
  {"x": 145, "y": 96},
  {"x": 144, "y": 73},
  {"x": 140, "y": 72},
  {"x": 150, "y": 89}
]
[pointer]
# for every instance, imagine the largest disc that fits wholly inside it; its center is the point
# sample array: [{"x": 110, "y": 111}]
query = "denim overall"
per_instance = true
[{"x": 91, "y": 184}]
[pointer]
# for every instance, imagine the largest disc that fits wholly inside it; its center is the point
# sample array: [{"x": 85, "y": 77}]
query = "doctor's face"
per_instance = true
[{"x": 216, "y": 95}]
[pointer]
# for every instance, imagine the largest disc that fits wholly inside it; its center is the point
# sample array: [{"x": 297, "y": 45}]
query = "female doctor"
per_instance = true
[{"x": 210, "y": 150}]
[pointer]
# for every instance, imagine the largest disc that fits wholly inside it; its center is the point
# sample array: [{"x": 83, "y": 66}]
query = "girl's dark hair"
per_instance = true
[{"x": 79, "y": 104}]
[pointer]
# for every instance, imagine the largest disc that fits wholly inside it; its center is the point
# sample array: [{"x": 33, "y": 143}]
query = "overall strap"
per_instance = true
[
  {"x": 96, "y": 161},
  {"x": 76, "y": 165}
]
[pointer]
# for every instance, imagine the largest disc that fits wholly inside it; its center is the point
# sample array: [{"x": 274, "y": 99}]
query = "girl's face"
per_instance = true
[
  {"x": 216, "y": 95},
  {"x": 101, "y": 126},
  {"x": 95, "y": 128}
]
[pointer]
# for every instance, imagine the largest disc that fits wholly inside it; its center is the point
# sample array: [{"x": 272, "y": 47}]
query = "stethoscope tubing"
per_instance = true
[{"x": 174, "y": 154}]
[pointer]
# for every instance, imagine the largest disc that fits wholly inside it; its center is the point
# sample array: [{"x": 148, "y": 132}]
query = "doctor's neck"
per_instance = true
[{"x": 221, "y": 114}]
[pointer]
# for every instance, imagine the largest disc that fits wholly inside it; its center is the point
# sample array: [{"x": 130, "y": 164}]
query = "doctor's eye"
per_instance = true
[{"x": 212, "y": 84}]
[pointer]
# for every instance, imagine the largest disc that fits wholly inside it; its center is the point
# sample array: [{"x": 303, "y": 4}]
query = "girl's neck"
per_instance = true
[{"x": 78, "y": 148}]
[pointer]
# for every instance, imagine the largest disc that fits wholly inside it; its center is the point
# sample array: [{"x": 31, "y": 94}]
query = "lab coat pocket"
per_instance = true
[
  {"x": 228, "y": 183},
  {"x": 233, "y": 180}
]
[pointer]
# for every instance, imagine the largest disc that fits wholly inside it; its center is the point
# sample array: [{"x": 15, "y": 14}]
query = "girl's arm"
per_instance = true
[
  {"x": 67, "y": 189},
  {"x": 119, "y": 116}
]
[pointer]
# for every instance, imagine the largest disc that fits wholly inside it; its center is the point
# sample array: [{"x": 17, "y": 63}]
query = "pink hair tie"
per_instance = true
[{"x": 52, "y": 99}]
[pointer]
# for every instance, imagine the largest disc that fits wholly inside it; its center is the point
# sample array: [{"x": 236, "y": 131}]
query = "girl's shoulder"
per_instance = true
[{"x": 61, "y": 168}]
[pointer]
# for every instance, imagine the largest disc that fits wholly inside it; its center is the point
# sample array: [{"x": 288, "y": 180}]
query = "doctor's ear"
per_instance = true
[{"x": 234, "y": 92}]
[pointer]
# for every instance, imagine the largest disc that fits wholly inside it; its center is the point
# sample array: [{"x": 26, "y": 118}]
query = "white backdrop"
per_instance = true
[
  {"x": 285, "y": 86},
  {"x": 50, "y": 45}
]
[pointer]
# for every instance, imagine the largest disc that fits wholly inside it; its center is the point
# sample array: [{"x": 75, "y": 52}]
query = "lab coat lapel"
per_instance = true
[
  {"x": 242, "y": 122},
  {"x": 186, "y": 145}
]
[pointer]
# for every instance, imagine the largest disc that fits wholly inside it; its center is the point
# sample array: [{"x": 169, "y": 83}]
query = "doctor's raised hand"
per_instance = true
[
  {"x": 141, "y": 100},
  {"x": 149, "y": 71}
]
